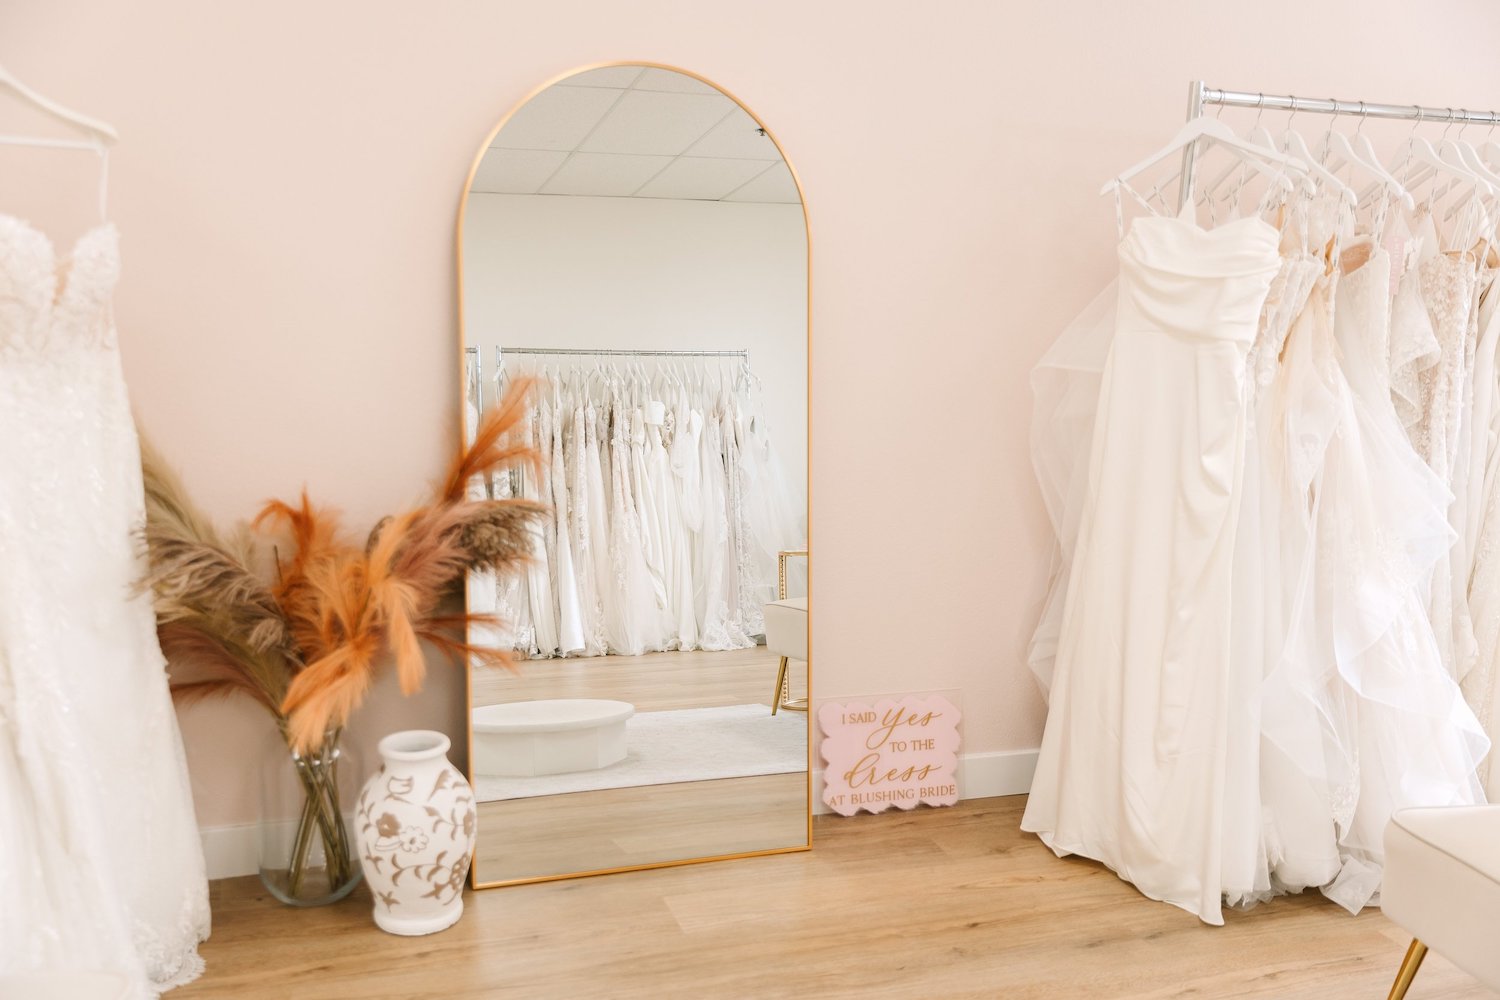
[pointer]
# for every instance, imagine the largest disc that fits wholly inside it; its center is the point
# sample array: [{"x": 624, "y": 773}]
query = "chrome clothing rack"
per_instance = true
[{"x": 1201, "y": 95}]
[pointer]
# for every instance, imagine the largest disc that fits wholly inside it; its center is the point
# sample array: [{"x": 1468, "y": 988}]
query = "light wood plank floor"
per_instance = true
[{"x": 929, "y": 904}]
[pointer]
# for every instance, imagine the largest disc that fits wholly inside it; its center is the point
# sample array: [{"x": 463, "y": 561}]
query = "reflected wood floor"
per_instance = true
[
  {"x": 620, "y": 827},
  {"x": 615, "y": 828},
  {"x": 935, "y": 903},
  {"x": 655, "y": 682}
]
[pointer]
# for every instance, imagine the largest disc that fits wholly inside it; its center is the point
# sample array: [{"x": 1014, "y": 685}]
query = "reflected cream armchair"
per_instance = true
[
  {"x": 1442, "y": 883},
  {"x": 65, "y": 986}
]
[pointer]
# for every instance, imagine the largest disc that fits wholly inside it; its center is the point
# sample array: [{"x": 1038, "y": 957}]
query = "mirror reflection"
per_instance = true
[{"x": 633, "y": 240}]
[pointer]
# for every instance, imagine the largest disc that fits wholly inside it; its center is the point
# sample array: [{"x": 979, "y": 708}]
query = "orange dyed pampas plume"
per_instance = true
[{"x": 296, "y": 613}]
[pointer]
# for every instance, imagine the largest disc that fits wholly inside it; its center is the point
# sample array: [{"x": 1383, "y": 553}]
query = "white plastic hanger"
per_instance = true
[
  {"x": 1293, "y": 143},
  {"x": 1462, "y": 162},
  {"x": 1257, "y": 136},
  {"x": 1430, "y": 162},
  {"x": 1206, "y": 127},
  {"x": 1470, "y": 158},
  {"x": 1453, "y": 158},
  {"x": 1339, "y": 145},
  {"x": 1489, "y": 150},
  {"x": 1260, "y": 137},
  {"x": 1467, "y": 155},
  {"x": 99, "y": 133}
]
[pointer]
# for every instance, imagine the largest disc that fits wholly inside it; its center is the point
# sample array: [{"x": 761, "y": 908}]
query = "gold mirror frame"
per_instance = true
[{"x": 463, "y": 204}]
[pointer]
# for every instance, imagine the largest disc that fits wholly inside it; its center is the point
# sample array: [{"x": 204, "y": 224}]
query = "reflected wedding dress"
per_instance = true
[{"x": 100, "y": 864}]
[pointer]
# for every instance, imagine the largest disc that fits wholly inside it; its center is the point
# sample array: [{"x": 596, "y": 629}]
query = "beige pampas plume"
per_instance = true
[
  {"x": 305, "y": 642},
  {"x": 216, "y": 619}
]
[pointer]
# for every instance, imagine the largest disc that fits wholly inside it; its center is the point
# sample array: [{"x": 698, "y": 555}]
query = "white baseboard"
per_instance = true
[
  {"x": 230, "y": 851},
  {"x": 233, "y": 850}
]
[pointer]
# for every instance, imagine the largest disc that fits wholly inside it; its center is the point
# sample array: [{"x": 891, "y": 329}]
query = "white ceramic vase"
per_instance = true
[{"x": 415, "y": 832}]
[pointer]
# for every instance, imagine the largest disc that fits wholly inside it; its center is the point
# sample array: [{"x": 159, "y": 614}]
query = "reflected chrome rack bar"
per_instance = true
[
  {"x": 617, "y": 352},
  {"x": 1200, "y": 95},
  {"x": 500, "y": 353}
]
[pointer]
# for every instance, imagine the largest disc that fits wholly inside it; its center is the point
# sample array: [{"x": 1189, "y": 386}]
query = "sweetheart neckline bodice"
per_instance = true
[{"x": 51, "y": 301}]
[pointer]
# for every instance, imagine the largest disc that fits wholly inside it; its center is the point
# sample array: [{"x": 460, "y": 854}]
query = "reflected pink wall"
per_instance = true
[{"x": 289, "y": 175}]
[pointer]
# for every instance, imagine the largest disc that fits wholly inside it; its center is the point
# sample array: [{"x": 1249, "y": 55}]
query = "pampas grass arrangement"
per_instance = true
[{"x": 297, "y": 614}]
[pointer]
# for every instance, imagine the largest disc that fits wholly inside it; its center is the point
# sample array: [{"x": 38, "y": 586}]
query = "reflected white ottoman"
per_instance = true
[
  {"x": 786, "y": 636},
  {"x": 526, "y": 738},
  {"x": 1442, "y": 883}
]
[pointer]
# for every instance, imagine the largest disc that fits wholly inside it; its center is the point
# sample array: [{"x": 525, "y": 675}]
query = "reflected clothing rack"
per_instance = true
[
  {"x": 1200, "y": 95},
  {"x": 668, "y": 504},
  {"x": 615, "y": 352},
  {"x": 611, "y": 352}
]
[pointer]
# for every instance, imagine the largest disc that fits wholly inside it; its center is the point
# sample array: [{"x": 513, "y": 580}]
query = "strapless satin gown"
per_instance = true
[{"x": 1134, "y": 745}]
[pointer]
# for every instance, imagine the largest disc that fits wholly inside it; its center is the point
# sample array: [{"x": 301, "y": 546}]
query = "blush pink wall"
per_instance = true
[{"x": 288, "y": 179}]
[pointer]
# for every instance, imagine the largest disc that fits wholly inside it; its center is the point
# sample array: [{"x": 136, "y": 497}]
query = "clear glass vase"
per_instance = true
[{"x": 307, "y": 855}]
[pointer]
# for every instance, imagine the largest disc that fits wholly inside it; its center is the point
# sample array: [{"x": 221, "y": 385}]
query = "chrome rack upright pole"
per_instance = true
[{"x": 1195, "y": 108}]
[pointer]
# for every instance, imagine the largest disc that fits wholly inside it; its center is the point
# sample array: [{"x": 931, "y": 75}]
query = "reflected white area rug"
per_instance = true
[{"x": 695, "y": 744}]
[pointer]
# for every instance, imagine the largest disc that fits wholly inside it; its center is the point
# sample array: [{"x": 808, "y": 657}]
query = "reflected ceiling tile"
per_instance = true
[
  {"x": 672, "y": 82},
  {"x": 618, "y": 77},
  {"x": 736, "y": 137},
  {"x": 701, "y": 179},
  {"x": 557, "y": 118},
  {"x": 515, "y": 171},
  {"x": 604, "y": 174},
  {"x": 775, "y": 186},
  {"x": 656, "y": 124}
]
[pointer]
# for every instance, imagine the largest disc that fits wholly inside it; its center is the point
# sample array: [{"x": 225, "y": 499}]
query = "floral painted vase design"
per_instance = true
[{"x": 415, "y": 829}]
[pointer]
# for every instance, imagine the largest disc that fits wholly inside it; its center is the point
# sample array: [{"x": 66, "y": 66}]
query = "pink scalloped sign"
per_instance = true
[{"x": 898, "y": 752}]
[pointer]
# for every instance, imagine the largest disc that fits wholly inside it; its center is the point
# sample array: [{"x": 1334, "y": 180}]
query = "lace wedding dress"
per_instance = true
[
  {"x": 100, "y": 860},
  {"x": 1449, "y": 285}
]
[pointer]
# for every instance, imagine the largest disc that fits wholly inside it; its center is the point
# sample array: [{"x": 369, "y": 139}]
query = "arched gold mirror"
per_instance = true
[{"x": 633, "y": 237}]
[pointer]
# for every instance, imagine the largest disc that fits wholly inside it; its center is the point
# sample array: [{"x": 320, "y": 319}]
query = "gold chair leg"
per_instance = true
[
  {"x": 1408, "y": 970},
  {"x": 780, "y": 686}
]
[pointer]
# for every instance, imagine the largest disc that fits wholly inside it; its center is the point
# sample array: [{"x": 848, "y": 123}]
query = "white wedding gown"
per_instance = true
[
  {"x": 1332, "y": 703},
  {"x": 1134, "y": 743},
  {"x": 1449, "y": 286},
  {"x": 1382, "y": 524},
  {"x": 100, "y": 862}
]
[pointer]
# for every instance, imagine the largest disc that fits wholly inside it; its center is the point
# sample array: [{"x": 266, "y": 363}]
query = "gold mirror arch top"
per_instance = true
[
  {"x": 477, "y": 879},
  {"x": 484, "y": 147}
]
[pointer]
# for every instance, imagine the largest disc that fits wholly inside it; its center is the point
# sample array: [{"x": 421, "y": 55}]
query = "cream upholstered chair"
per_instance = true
[
  {"x": 786, "y": 635},
  {"x": 65, "y": 986},
  {"x": 1442, "y": 883}
]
